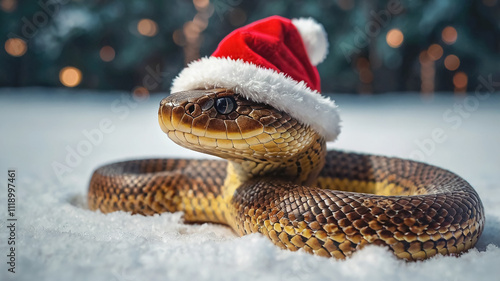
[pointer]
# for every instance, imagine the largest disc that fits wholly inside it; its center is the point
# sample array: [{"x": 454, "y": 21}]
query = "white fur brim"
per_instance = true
[{"x": 264, "y": 86}]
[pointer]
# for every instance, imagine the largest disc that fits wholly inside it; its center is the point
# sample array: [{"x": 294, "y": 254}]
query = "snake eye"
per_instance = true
[{"x": 225, "y": 105}]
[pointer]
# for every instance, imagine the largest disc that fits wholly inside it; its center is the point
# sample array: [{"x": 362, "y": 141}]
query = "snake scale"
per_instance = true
[{"x": 280, "y": 180}]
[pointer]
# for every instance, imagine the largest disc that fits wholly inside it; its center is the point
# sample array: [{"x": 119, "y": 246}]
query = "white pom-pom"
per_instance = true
[{"x": 315, "y": 38}]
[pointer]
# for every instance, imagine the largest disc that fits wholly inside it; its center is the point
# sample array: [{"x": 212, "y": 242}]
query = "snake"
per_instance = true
[{"x": 277, "y": 178}]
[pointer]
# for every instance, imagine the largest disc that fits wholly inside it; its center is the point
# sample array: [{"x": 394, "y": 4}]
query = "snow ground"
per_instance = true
[{"x": 59, "y": 239}]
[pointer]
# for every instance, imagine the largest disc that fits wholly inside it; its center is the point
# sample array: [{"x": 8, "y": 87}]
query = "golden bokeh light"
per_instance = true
[
  {"x": 15, "y": 47},
  {"x": 201, "y": 5},
  {"x": 394, "y": 38},
  {"x": 107, "y": 53},
  {"x": 451, "y": 62},
  {"x": 140, "y": 93},
  {"x": 178, "y": 37},
  {"x": 435, "y": 52},
  {"x": 8, "y": 5},
  {"x": 365, "y": 73},
  {"x": 460, "y": 80},
  {"x": 449, "y": 35},
  {"x": 201, "y": 21},
  {"x": 147, "y": 27},
  {"x": 427, "y": 73},
  {"x": 191, "y": 31},
  {"x": 70, "y": 76},
  {"x": 424, "y": 57}
]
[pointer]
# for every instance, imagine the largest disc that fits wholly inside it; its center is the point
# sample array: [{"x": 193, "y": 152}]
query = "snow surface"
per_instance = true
[{"x": 58, "y": 238}]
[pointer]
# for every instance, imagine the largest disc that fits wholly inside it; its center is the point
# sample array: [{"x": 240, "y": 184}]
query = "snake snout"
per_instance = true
[
  {"x": 165, "y": 112},
  {"x": 179, "y": 105}
]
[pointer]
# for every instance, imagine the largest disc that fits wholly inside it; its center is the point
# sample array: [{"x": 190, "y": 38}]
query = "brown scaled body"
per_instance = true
[{"x": 280, "y": 180}]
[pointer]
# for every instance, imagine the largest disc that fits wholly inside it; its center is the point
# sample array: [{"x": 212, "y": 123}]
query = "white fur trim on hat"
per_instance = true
[
  {"x": 264, "y": 86},
  {"x": 314, "y": 37}
]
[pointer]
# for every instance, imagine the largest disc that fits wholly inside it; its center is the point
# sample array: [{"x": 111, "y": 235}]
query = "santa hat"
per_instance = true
[{"x": 272, "y": 61}]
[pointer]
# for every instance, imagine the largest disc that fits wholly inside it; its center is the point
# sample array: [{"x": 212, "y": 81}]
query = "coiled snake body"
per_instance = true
[{"x": 280, "y": 180}]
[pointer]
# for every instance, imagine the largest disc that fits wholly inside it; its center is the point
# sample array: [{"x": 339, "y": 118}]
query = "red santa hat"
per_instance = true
[{"x": 272, "y": 61}]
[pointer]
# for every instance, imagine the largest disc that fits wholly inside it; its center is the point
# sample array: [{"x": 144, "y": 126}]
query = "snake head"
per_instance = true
[{"x": 223, "y": 123}]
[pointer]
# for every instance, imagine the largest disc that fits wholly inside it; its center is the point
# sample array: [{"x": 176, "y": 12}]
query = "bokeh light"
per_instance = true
[
  {"x": 451, "y": 62},
  {"x": 147, "y": 27},
  {"x": 394, "y": 65},
  {"x": 365, "y": 73},
  {"x": 201, "y": 5},
  {"x": 427, "y": 73},
  {"x": 394, "y": 38},
  {"x": 460, "y": 80},
  {"x": 362, "y": 62},
  {"x": 140, "y": 93},
  {"x": 8, "y": 5},
  {"x": 237, "y": 17},
  {"x": 190, "y": 36},
  {"x": 435, "y": 52},
  {"x": 15, "y": 47},
  {"x": 449, "y": 35},
  {"x": 178, "y": 37},
  {"x": 70, "y": 76},
  {"x": 424, "y": 57},
  {"x": 191, "y": 31},
  {"x": 201, "y": 20},
  {"x": 107, "y": 53}
]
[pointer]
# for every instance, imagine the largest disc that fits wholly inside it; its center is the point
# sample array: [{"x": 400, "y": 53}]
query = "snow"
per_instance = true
[{"x": 59, "y": 239}]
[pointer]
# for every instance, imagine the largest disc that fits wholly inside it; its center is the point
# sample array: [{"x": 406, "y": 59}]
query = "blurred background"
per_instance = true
[
  {"x": 77, "y": 90},
  {"x": 140, "y": 46}
]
